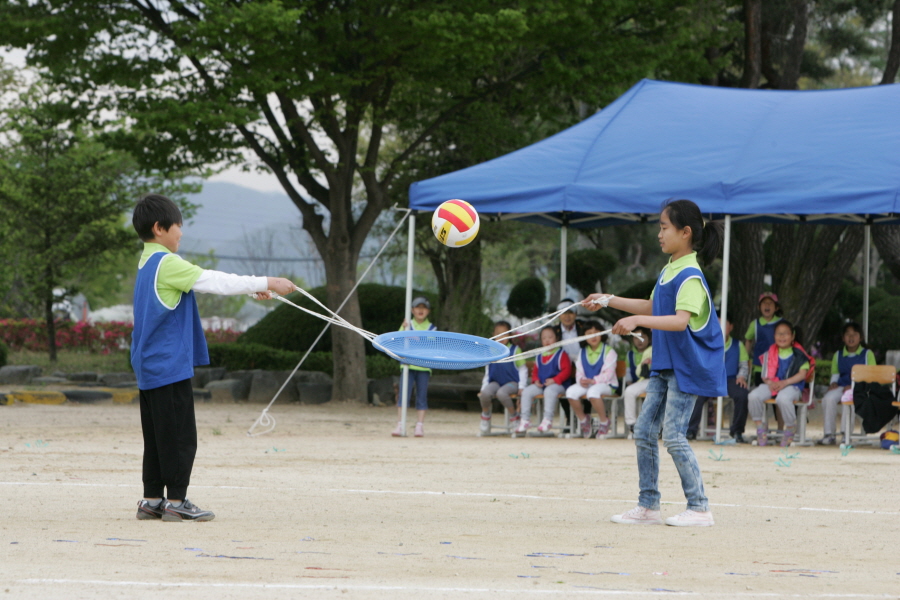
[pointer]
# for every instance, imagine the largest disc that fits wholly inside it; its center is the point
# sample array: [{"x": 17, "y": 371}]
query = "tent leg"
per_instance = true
[
  {"x": 407, "y": 316},
  {"x": 563, "y": 260},
  {"x": 866, "y": 282},
  {"x": 726, "y": 260}
]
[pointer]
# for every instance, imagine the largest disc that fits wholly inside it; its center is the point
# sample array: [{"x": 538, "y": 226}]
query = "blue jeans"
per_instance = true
[
  {"x": 666, "y": 407},
  {"x": 419, "y": 380}
]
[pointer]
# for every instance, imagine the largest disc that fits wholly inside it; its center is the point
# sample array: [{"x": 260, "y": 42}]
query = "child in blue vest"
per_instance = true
[
  {"x": 737, "y": 368},
  {"x": 688, "y": 361},
  {"x": 854, "y": 352},
  {"x": 784, "y": 368},
  {"x": 552, "y": 370},
  {"x": 501, "y": 381},
  {"x": 418, "y": 376},
  {"x": 638, "y": 364},
  {"x": 166, "y": 344},
  {"x": 761, "y": 331},
  {"x": 595, "y": 377}
]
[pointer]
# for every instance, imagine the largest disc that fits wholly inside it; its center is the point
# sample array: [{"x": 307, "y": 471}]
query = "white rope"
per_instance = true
[
  {"x": 542, "y": 349},
  {"x": 265, "y": 419},
  {"x": 548, "y": 318}
]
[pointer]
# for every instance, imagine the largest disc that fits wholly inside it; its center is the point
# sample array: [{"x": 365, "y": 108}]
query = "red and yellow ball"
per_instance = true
[{"x": 455, "y": 223}]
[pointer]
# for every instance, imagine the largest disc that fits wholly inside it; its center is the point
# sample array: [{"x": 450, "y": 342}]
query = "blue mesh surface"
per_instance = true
[{"x": 441, "y": 349}]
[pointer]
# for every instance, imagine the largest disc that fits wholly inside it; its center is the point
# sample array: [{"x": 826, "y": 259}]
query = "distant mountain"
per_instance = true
[{"x": 229, "y": 215}]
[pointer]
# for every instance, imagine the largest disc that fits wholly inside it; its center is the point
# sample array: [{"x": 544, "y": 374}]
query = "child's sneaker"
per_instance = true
[
  {"x": 146, "y": 512},
  {"x": 524, "y": 424},
  {"x": 485, "y": 426},
  {"x": 828, "y": 440},
  {"x": 631, "y": 432},
  {"x": 602, "y": 429},
  {"x": 692, "y": 518},
  {"x": 545, "y": 426},
  {"x": 188, "y": 511},
  {"x": 638, "y": 516},
  {"x": 586, "y": 427},
  {"x": 514, "y": 421},
  {"x": 762, "y": 436},
  {"x": 398, "y": 431},
  {"x": 420, "y": 429},
  {"x": 787, "y": 438}
]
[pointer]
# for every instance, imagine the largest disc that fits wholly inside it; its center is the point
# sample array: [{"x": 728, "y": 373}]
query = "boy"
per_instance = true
[
  {"x": 418, "y": 376},
  {"x": 167, "y": 343}
]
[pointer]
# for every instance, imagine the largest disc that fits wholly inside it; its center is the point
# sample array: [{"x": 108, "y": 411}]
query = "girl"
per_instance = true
[
  {"x": 595, "y": 377},
  {"x": 551, "y": 370},
  {"x": 417, "y": 376},
  {"x": 761, "y": 332},
  {"x": 784, "y": 369},
  {"x": 688, "y": 360},
  {"x": 853, "y": 353}
]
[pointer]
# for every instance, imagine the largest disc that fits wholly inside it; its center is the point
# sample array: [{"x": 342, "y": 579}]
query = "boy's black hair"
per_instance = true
[
  {"x": 504, "y": 324},
  {"x": 645, "y": 332},
  {"x": 553, "y": 329},
  {"x": 152, "y": 209}
]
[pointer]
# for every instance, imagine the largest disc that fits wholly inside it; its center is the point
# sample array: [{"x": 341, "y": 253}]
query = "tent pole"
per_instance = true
[
  {"x": 407, "y": 316},
  {"x": 866, "y": 282},
  {"x": 726, "y": 260},
  {"x": 563, "y": 251}
]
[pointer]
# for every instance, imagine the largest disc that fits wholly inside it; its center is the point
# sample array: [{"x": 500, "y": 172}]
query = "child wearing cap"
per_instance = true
[
  {"x": 761, "y": 333},
  {"x": 417, "y": 376}
]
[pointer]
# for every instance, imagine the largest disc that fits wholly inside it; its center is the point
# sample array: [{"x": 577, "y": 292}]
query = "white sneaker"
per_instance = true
[
  {"x": 398, "y": 431},
  {"x": 523, "y": 426},
  {"x": 638, "y": 516},
  {"x": 485, "y": 426},
  {"x": 545, "y": 426},
  {"x": 420, "y": 429},
  {"x": 692, "y": 518}
]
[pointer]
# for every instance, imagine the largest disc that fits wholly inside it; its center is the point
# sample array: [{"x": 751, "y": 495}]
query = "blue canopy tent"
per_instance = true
[{"x": 828, "y": 156}]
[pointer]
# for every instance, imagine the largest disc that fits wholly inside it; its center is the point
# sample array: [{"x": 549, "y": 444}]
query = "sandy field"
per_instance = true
[{"x": 330, "y": 506}]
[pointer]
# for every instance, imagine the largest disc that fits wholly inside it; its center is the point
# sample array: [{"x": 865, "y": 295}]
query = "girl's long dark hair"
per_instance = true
[{"x": 706, "y": 239}]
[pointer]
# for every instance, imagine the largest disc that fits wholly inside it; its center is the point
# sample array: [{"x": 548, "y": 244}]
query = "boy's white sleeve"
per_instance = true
[
  {"x": 485, "y": 380},
  {"x": 229, "y": 284},
  {"x": 523, "y": 377}
]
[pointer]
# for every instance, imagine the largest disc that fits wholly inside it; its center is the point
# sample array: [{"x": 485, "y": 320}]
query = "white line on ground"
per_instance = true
[
  {"x": 403, "y": 588},
  {"x": 464, "y": 494}
]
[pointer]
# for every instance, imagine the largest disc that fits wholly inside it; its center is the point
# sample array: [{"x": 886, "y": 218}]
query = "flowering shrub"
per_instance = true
[{"x": 101, "y": 337}]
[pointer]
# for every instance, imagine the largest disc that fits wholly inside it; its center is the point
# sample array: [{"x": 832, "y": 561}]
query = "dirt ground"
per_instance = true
[{"x": 330, "y": 506}]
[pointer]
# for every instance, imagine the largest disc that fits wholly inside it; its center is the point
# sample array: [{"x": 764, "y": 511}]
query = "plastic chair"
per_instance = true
[
  {"x": 884, "y": 374},
  {"x": 807, "y": 400},
  {"x": 613, "y": 399}
]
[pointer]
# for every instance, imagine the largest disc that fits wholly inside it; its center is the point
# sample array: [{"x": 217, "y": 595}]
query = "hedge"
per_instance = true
[
  {"x": 287, "y": 328},
  {"x": 4, "y": 354},
  {"x": 238, "y": 357}
]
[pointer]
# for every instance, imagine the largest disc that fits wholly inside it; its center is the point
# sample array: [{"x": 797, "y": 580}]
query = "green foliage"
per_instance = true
[
  {"x": 239, "y": 357},
  {"x": 287, "y": 328},
  {"x": 4, "y": 354},
  {"x": 527, "y": 299},
  {"x": 884, "y": 317},
  {"x": 584, "y": 268},
  {"x": 823, "y": 372}
]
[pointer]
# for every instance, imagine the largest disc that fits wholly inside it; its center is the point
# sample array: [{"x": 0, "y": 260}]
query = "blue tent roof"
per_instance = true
[{"x": 821, "y": 156}]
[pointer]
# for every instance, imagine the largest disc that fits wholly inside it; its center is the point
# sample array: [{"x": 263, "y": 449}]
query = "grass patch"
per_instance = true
[{"x": 69, "y": 361}]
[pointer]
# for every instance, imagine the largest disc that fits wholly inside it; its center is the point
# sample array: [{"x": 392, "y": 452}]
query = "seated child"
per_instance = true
[
  {"x": 784, "y": 369},
  {"x": 595, "y": 376},
  {"x": 737, "y": 369},
  {"x": 418, "y": 376},
  {"x": 637, "y": 374},
  {"x": 501, "y": 380},
  {"x": 551, "y": 370},
  {"x": 854, "y": 352}
]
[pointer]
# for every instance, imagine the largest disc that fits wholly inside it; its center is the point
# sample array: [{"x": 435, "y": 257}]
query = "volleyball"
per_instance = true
[{"x": 455, "y": 223}]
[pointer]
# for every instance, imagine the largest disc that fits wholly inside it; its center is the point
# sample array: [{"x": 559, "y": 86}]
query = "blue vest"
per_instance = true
[
  {"x": 504, "y": 373},
  {"x": 784, "y": 366},
  {"x": 697, "y": 357},
  {"x": 550, "y": 369},
  {"x": 167, "y": 343},
  {"x": 632, "y": 366},
  {"x": 765, "y": 337},
  {"x": 845, "y": 364},
  {"x": 592, "y": 370},
  {"x": 732, "y": 358}
]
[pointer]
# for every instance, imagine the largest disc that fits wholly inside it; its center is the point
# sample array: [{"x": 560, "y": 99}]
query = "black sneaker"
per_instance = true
[
  {"x": 739, "y": 438},
  {"x": 186, "y": 512},
  {"x": 691, "y": 435},
  {"x": 145, "y": 512}
]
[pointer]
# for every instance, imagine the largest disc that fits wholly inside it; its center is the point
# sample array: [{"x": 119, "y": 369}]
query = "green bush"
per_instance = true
[
  {"x": 584, "y": 268},
  {"x": 4, "y": 354},
  {"x": 883, "y": 331},
  {"x": 823, "y": 371},
  {"x": 526, "y": 299},
  {"x": 240, "y": 357},
  {"x": 287, "y": 328}
]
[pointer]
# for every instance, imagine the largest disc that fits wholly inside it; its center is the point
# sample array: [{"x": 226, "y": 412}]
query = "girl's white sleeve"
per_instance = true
[
  {"x": 229, "y": 284},
  {"x": 579, "y": 370},
  {"x": 523, "y": 377},
  {"x": 607, "y": 373}
]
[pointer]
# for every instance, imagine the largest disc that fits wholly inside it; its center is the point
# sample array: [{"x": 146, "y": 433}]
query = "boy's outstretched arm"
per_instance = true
[{"x": 228, "y": 284}]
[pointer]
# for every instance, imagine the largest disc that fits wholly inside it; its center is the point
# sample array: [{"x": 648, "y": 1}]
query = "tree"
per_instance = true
[
  {"x": 64, "y": 198},
  {"x": 312, "y": 90}
]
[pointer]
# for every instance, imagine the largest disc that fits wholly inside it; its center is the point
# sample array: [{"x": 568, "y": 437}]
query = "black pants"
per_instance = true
[
  {"x": 738, "y": 395},
  {"x": 170, "y": 439}
]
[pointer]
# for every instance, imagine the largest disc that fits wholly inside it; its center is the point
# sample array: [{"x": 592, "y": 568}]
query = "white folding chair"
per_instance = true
[{"x": 807, "y": 399}]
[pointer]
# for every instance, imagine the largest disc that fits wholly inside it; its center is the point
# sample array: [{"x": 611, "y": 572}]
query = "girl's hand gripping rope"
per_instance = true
[{"x": 597, "y": 301}]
